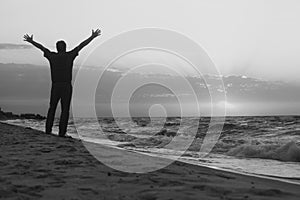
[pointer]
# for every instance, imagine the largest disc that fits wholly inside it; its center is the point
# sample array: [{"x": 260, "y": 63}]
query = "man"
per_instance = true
[{"x": 61, "y": 65}]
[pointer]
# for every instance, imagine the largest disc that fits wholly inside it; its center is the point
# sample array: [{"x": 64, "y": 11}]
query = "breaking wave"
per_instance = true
[{"x": 286, "y": 152}]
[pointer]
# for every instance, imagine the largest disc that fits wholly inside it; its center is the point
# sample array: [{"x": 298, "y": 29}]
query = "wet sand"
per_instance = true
[{"x": 34, "y": 165}]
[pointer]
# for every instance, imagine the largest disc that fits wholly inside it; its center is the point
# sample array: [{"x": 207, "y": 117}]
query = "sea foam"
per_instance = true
[{"x": 285, "y": 152}]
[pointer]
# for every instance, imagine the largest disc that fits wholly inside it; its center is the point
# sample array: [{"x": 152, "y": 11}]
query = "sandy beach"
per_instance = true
[{"x": 39, "y": 166}]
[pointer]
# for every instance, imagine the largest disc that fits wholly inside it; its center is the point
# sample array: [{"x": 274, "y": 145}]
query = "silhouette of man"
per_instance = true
[{"x": 61, "y": 65}]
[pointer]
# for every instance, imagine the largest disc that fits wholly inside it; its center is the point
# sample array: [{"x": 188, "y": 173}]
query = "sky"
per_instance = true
[
  {"x": 251, "y": 37},
  {"x": 255, "y": 38}
]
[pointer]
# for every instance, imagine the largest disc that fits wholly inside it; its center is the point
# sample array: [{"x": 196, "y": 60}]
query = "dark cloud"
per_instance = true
[
  {"x": 31, "y": 83},
  {"x": 10, "y": 46}
]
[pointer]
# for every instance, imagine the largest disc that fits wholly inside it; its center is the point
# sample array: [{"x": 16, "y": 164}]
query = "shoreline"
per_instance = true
[
  {"x": 35, "y": 165},
  {"x": 290, "y": 180}
]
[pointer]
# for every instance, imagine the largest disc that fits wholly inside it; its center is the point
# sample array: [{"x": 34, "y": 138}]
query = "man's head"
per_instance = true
[{"x": 61, "y": 46}]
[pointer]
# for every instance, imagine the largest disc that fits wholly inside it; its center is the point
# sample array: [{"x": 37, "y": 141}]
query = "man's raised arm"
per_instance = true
[
  {"x": 95, "y": 34},
  {"x": 29, "y": 39}
]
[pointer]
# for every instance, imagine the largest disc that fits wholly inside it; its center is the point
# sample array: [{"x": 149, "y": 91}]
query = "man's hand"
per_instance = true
[
  {"x": 96, "y": 33},
  {"x": 28, "y": 38}
]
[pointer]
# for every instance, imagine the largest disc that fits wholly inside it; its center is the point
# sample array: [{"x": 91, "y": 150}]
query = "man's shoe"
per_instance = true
[{"x": 64, "y": 136}]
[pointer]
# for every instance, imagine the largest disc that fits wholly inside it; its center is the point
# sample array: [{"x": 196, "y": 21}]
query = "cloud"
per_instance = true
[
  {"x": 245, "y": 95},
  {"x": 10, "y": 46}
]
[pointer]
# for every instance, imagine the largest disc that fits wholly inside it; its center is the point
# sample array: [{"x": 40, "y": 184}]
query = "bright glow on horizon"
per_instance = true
[
  {"x": 228, "y": 105},
  {"x": 249, "y": 38}
]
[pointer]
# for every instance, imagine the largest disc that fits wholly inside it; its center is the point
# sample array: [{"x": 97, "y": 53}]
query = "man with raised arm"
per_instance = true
[{"x": 61, "y": 65}]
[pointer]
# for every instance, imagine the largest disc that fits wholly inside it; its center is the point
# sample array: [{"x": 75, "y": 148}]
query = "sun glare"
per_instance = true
[{"x": 226, "y": 104}]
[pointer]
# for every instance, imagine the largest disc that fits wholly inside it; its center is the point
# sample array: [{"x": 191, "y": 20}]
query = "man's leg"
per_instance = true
[
  {"x": 54, "y": 98},
  {"x": 65, "y": 109}
]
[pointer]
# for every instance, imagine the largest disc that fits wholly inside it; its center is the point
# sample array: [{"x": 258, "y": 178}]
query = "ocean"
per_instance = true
[{"x": 267, "y": 146}]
